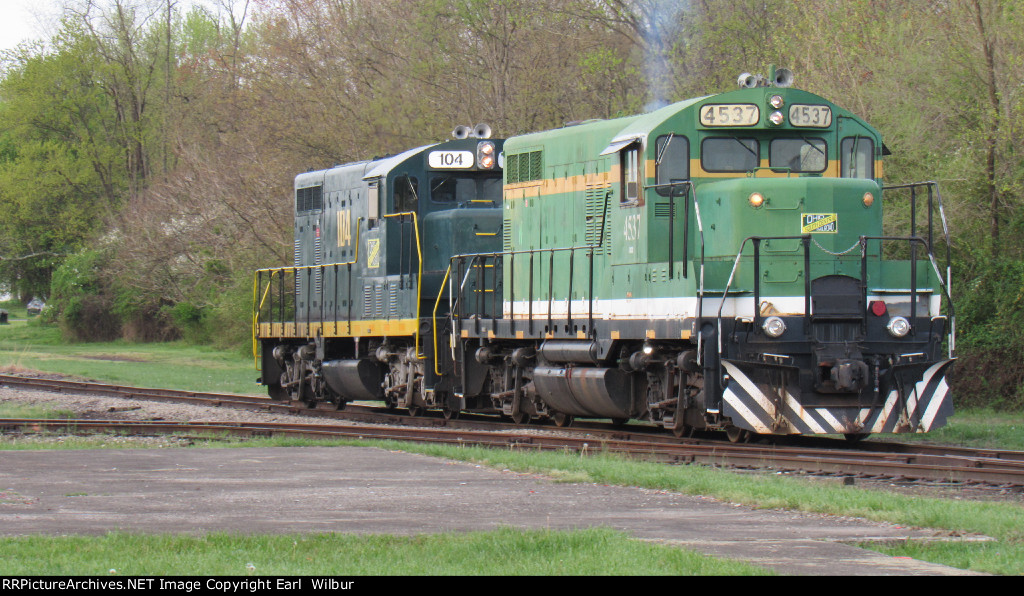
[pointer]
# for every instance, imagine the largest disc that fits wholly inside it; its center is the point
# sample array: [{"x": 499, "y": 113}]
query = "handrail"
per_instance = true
[
  {"x": 274, "y": 270},
  {"x": 930, "y": 184},
  {"x": 437, "y": 303},
  {"x": 913, "y": 240}
]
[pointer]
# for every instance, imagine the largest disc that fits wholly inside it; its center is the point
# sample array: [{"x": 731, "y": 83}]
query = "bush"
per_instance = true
[
  {"x": 990, "y": 325},
  {"x": 79, "y": 301}
]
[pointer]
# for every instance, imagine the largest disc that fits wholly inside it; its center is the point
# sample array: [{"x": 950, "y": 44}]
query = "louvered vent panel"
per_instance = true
[
  {"x": 524, "y": 167},
  {"x": 665, "y": 210},
  {"x": 536, "y": 165},
  {"x": 318, "y": 260},
  {"x": 596, "y": 199},
  {"x": 393, "y": 302},
  {"x": 298, "y": 263},
  {"x": 512, "y": 169},
  {"x": 378, "y": 301},
  {"x": 506, "y": 231},
  {"x": 367, "y": 300}
]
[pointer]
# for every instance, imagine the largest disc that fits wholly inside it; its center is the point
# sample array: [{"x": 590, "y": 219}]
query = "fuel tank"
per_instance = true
[{"x": 585, "y": 391}]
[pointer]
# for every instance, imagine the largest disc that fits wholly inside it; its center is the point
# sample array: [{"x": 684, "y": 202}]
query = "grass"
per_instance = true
[
  {"x": 34, "y": 346},
  {"x": 501, "y": 552},
  {"x": 982, "y": 427}
]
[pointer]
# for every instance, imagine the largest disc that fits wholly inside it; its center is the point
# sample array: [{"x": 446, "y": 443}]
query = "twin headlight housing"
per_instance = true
[{"x": 774, "y": 327}]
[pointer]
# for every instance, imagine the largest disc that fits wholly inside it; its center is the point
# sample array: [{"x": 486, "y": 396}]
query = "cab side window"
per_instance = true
[
  {"x": 406, "y": 194},
  {"x": 630, "y": 174},
  {"x": 672, "y": 162},
  {"x": 857, "y": 157}
]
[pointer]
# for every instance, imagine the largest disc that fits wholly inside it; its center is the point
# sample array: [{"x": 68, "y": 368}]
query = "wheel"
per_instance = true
[
  {"x": 450, "y": 413},
  {"x": 561, "y": 419},
  {"x": 416, "y": 411},
  {"x": 737, "y": 434},
  {"x": 521, "y": 418},
  {"x": 682, "y": 431},
  {"x": 341, "y": 404},
  {"x": 619, "y": 421},
  {"x": 854, "y": 438}
]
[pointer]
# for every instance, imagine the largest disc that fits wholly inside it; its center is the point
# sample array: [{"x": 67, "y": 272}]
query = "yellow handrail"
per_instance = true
[
  {"x": 440, "y": 293},
  {"x": 294, "y": 270},
  {"x": 257, "y": 308}
]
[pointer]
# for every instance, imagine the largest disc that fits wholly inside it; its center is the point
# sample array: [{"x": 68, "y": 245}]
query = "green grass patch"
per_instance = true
[
  {"x": 15, "y": 409},
  {"x": 1000, "y": 557},
  {"x": 983, "y": 428},
  {"x": 174, "y": 365},
  {"x": 502, "y": 552}
]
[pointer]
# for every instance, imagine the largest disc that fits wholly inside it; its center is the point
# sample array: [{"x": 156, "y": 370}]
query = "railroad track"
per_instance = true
[{"x": 1000, "y": 468}]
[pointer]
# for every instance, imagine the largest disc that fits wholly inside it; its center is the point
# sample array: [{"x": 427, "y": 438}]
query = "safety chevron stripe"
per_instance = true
[
  {"x": 748, "y": 405},
  {"x": 885, "y": 416},
  {"x": 931, "y": 392},
  {"x": 741, "y": 393}
]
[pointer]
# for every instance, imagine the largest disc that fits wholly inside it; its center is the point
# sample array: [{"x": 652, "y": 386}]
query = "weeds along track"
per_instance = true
[{"x": 874, "y": 460}]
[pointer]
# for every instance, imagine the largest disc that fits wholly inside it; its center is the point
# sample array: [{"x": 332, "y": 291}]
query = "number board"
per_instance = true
[
  {"x": 809, "y": 116},
  {"x": 450, "y": 159},
  {"x": 730, "y": 114}
]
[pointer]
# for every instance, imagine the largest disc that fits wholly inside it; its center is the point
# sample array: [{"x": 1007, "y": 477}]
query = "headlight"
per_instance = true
[
  {"x": 898, "y": 327},
  {"x": 485, "y": 154},
  {"x": 776, "y": 101},
  {"x": 774, "y": 327},
  {"x": 756, "y": 200},
  {"x": 776, "y": 118}
]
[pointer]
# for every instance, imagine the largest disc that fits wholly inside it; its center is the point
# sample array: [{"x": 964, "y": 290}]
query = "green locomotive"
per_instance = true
[{"x": 718, "y": 263}]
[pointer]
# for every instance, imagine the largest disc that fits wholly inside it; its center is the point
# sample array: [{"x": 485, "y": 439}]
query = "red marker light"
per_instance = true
[{"x": 878, "y": 308}]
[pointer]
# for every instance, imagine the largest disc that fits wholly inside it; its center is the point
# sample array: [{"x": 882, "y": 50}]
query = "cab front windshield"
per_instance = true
[{"x": 466, "y": 190}]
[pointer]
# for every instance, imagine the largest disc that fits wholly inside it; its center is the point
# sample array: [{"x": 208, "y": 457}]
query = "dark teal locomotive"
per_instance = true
[
  {"x": 717, "y": 263},
  {"x": 373, "y": 240}
]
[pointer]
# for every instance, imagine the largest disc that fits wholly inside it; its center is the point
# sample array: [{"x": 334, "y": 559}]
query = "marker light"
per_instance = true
[
  {"x": 756, "y": 200},
  {"x": 878, "y": 308},
  {"x": 776, "y": 101},
  {"x": 774, "y": 327},
  {"x": 898, "y": 327},
  {"x": 776, "y": 118},
  {"x": 869, "y": 199}
]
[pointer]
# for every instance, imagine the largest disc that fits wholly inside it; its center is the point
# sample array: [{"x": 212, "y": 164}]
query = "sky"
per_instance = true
[{"x": 21, "y": 20}]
